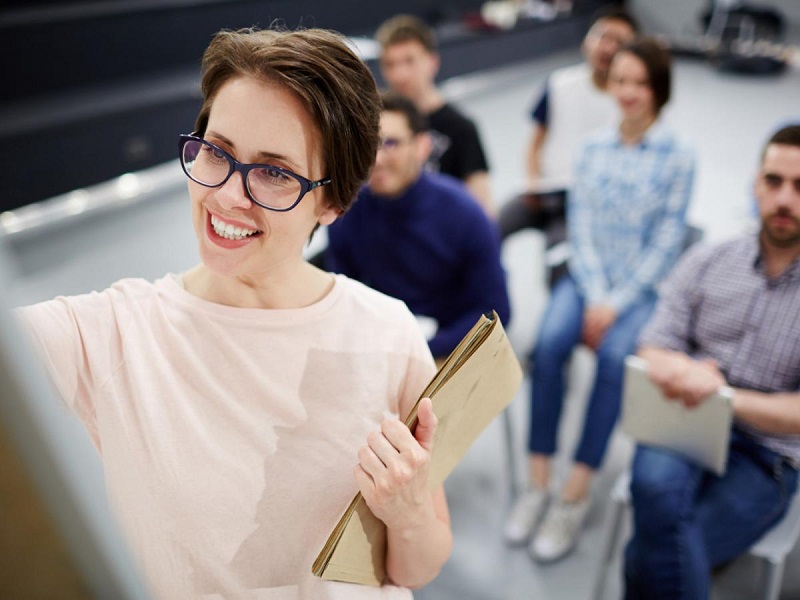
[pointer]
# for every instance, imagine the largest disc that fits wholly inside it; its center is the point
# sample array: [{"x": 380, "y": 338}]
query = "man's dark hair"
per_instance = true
[
  {"x": 786, "y": 136},
  {"x": 393, "y": 102},
  {"x": 658, "y": 63},
  {"x": 614, "y": 12}
]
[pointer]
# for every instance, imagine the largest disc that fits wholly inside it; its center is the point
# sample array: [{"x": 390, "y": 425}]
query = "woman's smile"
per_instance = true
[{"x": 228, "y": 233}]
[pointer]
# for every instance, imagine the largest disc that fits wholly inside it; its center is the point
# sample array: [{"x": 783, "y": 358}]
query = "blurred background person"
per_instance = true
[
  {"x": 627, "y": 225},
  {"x": 419, "y": 236},
  {"x": 409, "y": 62},
  {"x": 728, "y": 315},
  {"x": 574, "y": 103}
]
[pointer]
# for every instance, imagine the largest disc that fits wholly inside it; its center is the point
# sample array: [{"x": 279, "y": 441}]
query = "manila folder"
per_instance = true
[{"x": 476, "y": 382}]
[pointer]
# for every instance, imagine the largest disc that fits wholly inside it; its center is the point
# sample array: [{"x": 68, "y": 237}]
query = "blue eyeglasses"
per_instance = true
[{"x": 271, "y": 187}]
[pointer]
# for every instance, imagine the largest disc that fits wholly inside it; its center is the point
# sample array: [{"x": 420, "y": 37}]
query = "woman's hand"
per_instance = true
[
  {"x": 392, "y": 473},
  {"x": 596, "y": 321}
]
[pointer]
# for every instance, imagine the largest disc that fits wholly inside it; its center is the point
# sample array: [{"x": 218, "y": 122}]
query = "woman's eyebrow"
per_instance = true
[
  {"x": 263, "y": 156},
  {"x": 271, "y": 156}
]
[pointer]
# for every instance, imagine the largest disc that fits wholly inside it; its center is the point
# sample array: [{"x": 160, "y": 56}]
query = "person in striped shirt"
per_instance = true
[{"x": 728, "y": 315}]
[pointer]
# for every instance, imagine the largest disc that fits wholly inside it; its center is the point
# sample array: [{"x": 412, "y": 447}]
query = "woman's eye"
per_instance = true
[
  {"x": 274, "y": 176},
  {"x": 214, "y": 154}
]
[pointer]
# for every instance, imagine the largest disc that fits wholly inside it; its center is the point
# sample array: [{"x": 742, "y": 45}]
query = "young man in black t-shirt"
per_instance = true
[{"x": 409, "y": 63}]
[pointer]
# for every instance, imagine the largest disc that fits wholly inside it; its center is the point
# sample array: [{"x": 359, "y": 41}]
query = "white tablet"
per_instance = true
[{"x": 701, "y": 433}]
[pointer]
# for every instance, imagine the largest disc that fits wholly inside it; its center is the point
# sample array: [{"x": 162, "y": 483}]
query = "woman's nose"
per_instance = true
[{"x": 233, "y": 194}]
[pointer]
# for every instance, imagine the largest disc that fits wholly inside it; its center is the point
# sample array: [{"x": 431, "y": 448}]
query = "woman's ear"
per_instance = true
[{"x": 328, "y": 214}]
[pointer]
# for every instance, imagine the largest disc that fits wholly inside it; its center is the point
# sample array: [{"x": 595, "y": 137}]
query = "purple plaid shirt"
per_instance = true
[{"x": 719, "y": 303}]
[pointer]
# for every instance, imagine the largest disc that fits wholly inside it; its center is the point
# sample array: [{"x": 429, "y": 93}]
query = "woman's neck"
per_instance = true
[
  {"x": 632, "y": 130},
  {"x": 305, "y": 287}
]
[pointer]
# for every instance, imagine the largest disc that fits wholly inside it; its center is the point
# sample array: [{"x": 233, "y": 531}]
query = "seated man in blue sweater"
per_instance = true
[{"x": 420, "y": 236}]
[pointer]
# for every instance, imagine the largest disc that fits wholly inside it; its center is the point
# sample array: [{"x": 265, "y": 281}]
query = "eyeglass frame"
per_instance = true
[
  {"x": 306, "y": 185},
  {"x": 393, "y": 144}
]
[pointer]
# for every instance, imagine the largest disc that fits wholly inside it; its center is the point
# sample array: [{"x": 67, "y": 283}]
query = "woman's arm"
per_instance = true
[
  {"x": 416, "y": 555},
  {"x": 392, "y": 475}
]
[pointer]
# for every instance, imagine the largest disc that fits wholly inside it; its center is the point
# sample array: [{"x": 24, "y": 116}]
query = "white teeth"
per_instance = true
[{"x": 230, "y": 232}]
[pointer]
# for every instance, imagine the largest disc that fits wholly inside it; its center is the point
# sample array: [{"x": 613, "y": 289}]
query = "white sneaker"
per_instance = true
[
  {"x": 559, "y": 531},
  {"x": 524, "y": 515}
]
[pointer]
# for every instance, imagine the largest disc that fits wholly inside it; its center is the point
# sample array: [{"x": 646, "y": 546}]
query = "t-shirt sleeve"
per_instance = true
[
  {"x": 460, "y": 152},
  {"x": 74, "y": 338},
  {"x": 473, "y": 158},
  {"x": 539, "y": 113}
]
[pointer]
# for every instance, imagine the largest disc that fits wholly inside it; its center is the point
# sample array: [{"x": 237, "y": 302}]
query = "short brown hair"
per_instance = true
[
  {"x": 392, "y": 102},
  {"x": 658, "y": 63},
  {"x": 333, "y": 84},
  {"x": 788, "y": 135},
  {"x": 404, "y": 28}
]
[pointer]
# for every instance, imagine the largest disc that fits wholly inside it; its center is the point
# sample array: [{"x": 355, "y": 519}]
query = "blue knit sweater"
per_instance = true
[{"x": 433, "y": 248}]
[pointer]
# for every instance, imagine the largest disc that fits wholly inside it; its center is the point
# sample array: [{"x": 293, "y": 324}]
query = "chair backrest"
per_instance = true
[{"x": 694, "y": 234}]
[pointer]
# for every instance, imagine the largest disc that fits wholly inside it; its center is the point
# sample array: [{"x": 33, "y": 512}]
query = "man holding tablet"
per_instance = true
[{"x": 728, "y": 315}]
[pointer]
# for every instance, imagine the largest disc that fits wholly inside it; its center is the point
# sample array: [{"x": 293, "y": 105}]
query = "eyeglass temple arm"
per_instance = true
[{"x": 316, "y": 184}]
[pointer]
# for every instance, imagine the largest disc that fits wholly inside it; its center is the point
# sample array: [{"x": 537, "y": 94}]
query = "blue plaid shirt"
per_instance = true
[{"x": 626, "y": 214}]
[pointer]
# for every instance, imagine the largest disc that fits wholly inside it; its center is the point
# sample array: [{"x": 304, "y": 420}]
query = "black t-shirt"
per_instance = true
[{"x": 457, "y": 148}]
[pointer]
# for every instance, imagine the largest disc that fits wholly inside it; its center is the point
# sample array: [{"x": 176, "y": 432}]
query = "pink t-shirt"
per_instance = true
[{"x": 229, "y": 435}]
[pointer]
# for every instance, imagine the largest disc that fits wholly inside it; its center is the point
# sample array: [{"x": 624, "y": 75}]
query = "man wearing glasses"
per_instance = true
[{"x": 419, "y": 236}]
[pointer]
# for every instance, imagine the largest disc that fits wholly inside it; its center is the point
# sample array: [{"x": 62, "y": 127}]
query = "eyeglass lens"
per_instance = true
[{"x": 269, "y": 186}]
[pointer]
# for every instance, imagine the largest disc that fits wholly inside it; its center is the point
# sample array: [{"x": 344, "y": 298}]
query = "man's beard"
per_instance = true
[{"x": 782, "y": 238}]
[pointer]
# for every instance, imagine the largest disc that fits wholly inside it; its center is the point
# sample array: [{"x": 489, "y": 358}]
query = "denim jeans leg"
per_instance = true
[
  {"x": 604, "y": 402},
  {"x": 737, "y": 509},
  {"x": 666, "y": 557},
  {"x": 559, "y": 333},
  {"x": 680, "y": 535}
]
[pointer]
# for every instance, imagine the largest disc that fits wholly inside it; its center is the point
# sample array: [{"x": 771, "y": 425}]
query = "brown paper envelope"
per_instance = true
[{"x": 476, "y": 382}]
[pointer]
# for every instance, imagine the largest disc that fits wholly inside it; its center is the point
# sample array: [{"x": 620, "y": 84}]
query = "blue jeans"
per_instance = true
[
  {"x": 559, "y": 333},
  {"x": 688, "y": 521}
]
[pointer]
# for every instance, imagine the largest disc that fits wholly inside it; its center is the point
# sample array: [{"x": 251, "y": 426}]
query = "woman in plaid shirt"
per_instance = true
[{"x": 626, "y": 227}]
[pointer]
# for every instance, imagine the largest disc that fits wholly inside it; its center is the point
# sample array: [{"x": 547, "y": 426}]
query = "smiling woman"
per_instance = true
[
  {"x": 626, "y": 226},
  {"x": 231, "y": 402}
]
